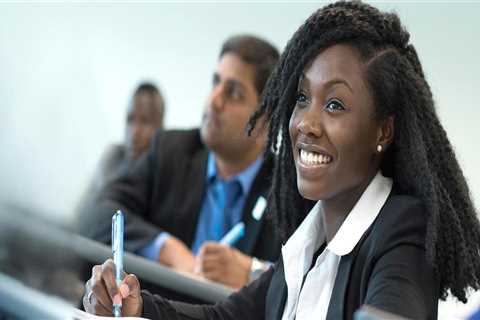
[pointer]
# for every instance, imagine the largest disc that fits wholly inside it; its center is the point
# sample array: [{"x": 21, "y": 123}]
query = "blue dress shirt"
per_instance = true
[{"x": 222, "y": 207}]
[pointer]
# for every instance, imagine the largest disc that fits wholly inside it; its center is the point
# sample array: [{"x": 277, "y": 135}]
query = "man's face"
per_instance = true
[
  {"x": 230, "y": 104},
  {"x": 143, "y": 119}
]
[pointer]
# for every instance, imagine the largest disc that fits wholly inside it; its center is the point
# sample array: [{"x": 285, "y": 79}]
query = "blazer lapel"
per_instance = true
[
  {"x": 193, "y": 201},
  {"x": 276, "y": 294},
  {"x": 338, "y": 299},
  {"x": 254, "y": 208},
  {"x": 253, "y": 223}
]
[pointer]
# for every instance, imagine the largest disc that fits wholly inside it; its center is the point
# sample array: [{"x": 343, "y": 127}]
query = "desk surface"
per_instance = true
[
  {"x": 97, "y": 253},
  {"x": 25, "y": 303},
  {"x": 196, "y": 287}
]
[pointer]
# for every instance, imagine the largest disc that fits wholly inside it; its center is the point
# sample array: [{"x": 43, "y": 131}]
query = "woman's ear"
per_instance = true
[{"x": 385, "y": 133}]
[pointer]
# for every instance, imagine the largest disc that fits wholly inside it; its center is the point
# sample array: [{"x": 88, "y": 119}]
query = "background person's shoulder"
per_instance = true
[{"x": 179, "y": 141}]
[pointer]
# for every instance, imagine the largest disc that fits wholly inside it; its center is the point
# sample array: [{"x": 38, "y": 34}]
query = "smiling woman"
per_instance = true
[
  {"x": 354, "y": 128},
  {"x": 356, "y": 92},
  {"x": 333, "y": 130}
]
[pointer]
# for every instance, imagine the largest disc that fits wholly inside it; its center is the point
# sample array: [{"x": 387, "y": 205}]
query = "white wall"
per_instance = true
[{"x": 68, "y": 70}]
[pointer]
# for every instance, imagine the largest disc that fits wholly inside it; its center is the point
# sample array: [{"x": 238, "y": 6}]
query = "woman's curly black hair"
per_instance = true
[{"x": 420, "y": 159}]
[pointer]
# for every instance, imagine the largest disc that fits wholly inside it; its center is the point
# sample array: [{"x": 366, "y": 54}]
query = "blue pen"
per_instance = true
[
  {"x": 235, "y": 234},
  {"x": 117, "y": 252}
]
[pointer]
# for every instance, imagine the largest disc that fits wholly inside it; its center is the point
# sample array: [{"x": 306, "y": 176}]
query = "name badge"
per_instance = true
[{"x": 259, "y": 208}]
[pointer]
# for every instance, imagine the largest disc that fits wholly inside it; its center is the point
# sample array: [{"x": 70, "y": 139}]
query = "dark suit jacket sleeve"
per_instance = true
[
  {"x": 130, "y": 192},
  {"x": 402, "y": 281},
  {"x": 248, "y": 303}
]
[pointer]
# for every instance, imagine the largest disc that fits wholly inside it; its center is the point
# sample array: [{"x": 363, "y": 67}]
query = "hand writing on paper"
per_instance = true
[
  {"x": 223, "y": 264},
  {"x": 176, "y": 255},
  {"x": 101, "y": 292}
]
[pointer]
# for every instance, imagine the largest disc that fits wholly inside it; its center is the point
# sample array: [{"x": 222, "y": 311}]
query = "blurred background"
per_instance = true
[{"x": 68, "y": 71}]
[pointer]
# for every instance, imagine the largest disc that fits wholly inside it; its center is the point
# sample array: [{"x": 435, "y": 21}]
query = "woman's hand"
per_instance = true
[{"x": 101, "y": 292}]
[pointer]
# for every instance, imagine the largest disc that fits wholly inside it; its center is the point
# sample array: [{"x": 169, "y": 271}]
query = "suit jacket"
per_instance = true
[
  {"x": 164, "y": 191},
  {"x": 387, "y": 269}
]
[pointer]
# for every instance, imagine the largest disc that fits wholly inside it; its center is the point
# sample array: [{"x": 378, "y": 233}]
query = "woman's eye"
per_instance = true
[
  {"x": 334, "y": 105},
  {"x": 301, "y": 98}
]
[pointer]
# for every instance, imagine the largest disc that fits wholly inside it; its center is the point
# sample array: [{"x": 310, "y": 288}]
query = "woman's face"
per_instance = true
[{"x": 333, "y": 131}]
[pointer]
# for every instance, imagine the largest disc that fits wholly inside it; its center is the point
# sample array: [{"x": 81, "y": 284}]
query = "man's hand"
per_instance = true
[
  {"x": 223, "y": 264},
  {"x": 101, "y": 292},
  {"x": 175, "y": 254}
]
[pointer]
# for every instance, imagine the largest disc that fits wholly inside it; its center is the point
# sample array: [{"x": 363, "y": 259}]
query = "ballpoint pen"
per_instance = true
[
  {"x": 117, "y": 252},
  {"x": 232, "y": 236}
]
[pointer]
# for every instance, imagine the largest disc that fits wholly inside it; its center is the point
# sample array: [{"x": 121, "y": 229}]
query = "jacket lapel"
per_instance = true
[
  {"x": 193, "y": 202},
  {"x": 277, "y": 294},
  {"x": 254, "y": 209},
  {"x": 338, "y": 298},
  {"x": 339, "y": 302},
  {"x": 252, "y": 226}
]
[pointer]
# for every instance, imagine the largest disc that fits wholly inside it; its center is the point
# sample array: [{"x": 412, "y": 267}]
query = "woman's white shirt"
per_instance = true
[{"x": 312, "y": 301}]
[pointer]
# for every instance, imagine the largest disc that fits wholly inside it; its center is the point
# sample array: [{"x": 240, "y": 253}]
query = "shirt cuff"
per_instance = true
[{"x": 152, "y": 250}]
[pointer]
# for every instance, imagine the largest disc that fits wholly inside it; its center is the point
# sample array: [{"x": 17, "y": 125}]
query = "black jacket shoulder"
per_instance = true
[
  {"x": 403, "y": 220},
  {"x": 185, "y": 142}
]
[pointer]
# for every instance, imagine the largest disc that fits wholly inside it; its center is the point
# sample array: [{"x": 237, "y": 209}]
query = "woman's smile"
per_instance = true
[{"x": 312, "y": 160}]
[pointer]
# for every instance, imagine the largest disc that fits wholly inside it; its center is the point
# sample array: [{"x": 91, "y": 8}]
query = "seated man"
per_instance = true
[
  {"x": 144, "y": 116},
  {"x": 193, "y": 186}
]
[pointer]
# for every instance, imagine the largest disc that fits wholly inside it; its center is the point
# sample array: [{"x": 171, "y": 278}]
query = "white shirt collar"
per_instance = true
[
  {"x": 310, "y": 233},
  {"x": 298, "y": 251},
  {"x": 362, "y": 215}
]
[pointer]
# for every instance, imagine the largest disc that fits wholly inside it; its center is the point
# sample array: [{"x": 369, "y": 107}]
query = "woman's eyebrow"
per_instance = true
[
  {"x": 336, "y": 81},
  {"x": 303, "y": 81}
]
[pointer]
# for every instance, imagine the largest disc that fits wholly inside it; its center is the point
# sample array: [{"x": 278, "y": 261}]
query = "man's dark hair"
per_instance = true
[
  {"x": 420, "y": 159},
  {"x": 255, "y": 51}
]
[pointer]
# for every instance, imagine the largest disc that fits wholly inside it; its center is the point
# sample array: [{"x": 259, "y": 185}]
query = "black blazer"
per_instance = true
[
  {"x": 387, "y": 269},
  {"x": 164, "y": 191}
]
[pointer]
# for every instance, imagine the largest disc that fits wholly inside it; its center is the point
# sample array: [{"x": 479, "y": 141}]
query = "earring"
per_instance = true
[{"x": 379, "y": 148}]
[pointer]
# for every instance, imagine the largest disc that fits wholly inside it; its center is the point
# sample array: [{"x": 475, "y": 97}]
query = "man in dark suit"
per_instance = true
[
  {"x": 193, "y": 186},
  {"x": 144, "y": 117}
]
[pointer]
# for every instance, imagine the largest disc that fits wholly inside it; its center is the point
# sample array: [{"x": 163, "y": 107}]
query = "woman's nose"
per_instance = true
[{"x": 311, "y": 123}]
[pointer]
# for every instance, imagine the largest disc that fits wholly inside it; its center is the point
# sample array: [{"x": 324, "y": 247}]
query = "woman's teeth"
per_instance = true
[{"x": 312, "y": 158}]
